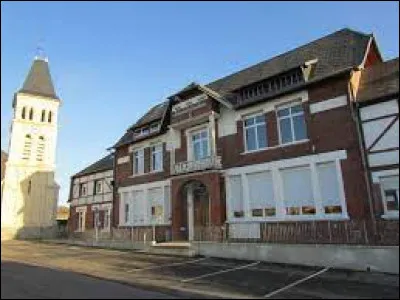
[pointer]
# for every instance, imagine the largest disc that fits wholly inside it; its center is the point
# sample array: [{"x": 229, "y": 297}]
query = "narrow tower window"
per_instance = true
[
  {"x": 40, "y": 149},
  {"x": 49, "y": 118},
  {"x": 43, "y": 115},
  {"x": 26, "y": 152},
  {"x": 31, "y": 114},
  {"x": 23, "y": 114}
]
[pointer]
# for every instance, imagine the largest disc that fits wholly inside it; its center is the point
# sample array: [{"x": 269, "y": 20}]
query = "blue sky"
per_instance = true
[{"x": 111, "y": 61}]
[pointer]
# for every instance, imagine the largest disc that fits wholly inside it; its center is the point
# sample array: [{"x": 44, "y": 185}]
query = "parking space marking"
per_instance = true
[
  {"x": 168, "y": 265},
  {"x": 296, "y": 283},
  {"x": 220, "y": 272}
]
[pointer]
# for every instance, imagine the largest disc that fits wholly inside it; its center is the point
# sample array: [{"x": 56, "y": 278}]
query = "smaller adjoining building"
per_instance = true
[{"x": 91, "y": 196}]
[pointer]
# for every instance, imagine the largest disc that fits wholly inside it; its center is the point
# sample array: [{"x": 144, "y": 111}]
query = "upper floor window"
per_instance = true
[
  {"x": 154, "y": 127},
  {"x": 200, "y": 146},
  {"x": 138, "y": 161},
  {"x": 26, "y": 152},
  {"x": 255, "y": 133},
  {"x": 31, "y": 114},
  {"x": 23, "y": 113},
  {"x": 157, "y": 158},
  {"x": 43, "y": 115},
  {"x": 98, "y": 187},
  {"x": 40, "y": 149},
  {"x": 292, "y": 126},
  {"x": 49, "y": 117},
  {"x": 83, "y": 189},
  {"x": 390, "y": 188},
  {"x": 142, "y": 131}
]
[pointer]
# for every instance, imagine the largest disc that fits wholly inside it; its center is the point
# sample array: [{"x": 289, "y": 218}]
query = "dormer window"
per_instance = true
[
  {"x": 154, "y": 127},
  {"x": 145, "y": 131}
]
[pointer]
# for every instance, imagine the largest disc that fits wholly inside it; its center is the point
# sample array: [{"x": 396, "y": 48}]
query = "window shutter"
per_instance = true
[
  {"x": 236, "y": 196},
  {"x": 297, "y": 187},
  {"x": 261, "y": 191},
  {"x": 328, "y": 184}
]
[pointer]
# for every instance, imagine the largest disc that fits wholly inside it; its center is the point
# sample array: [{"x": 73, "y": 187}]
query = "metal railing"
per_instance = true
[{"x": 210, "y": 162}]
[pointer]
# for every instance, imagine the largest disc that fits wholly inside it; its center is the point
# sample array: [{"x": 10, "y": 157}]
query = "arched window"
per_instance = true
[
  {"x": 43, "y": 115},
  {"x": 23, "y": 114},
  {"x": 49, "y": 117},
  {"x": 31, "y": 114},
  {"x": 40, "y": 149},
  {"x": 26, "y": 151}
]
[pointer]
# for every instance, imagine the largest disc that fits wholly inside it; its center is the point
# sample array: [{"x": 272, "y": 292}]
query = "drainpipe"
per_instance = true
[
  {"x": 113, "y": 152},
  {"x": 361, "y": 145}
]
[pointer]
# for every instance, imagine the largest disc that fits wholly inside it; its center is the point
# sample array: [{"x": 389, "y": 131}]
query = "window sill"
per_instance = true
[
  {"x": 390, "y": 216},
  {"x": 275, "y": 147},
  {"x": 145, "y": 225},
  {"x": 332, "y": 217},
  {"x": 143, "y": 174}
]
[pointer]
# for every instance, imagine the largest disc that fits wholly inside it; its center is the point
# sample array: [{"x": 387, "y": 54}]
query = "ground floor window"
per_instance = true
[
  {"x": 390, "y": 194},
  {"x": 313, "y": 190},
  {"x": 147, "y": 206},
  {"x": 80, "y": 220}
]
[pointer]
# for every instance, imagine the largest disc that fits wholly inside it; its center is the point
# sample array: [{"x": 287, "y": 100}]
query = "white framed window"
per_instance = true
[
  {"x": 236, "y": 200},
  {"x": 390, "y": 194},
  {"x": 255, "y": 133},
  {"x": 106, "y": 221},
  {"x": 98, "y": 187},
  {"x": 156, "y": 158},
  {"x": 261, "y": 194},
  {"x": 138, "y": 161},
  {"x": 81, "y": 219},
  {"x": 200, "y": 144},
  {"x": 329, "y": 188},
  {"x": 126, "y": 212},
  {"x": 154, "y": 127},
  {"x": 156, "y": 201},
  {"x": 298, "y": 191},
  {"x": 292, "y": 125},
  {"x": 167, "y": 204},
  {"x": 139, "y": 212},
  {"x": 83, "y": 189}
]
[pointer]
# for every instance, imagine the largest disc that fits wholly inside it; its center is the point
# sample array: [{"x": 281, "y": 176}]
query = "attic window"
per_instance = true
[
  {"x": 154, "y": 127},
  {"x": 273, "y": 85}
]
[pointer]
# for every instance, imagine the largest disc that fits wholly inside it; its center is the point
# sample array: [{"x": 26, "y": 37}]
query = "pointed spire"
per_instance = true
[{"x": 38, "y": 81}]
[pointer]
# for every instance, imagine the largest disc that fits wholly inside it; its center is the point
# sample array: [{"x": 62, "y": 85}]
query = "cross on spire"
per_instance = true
[{"x": 40, "y": 53}]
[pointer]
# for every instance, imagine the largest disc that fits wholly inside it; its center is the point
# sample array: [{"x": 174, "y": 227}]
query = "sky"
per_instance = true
[{"x": 111, "y": 61}]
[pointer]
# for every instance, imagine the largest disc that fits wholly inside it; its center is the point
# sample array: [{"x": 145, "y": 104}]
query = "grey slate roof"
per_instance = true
[
  {"x": 104, "y": 164},
  {"x": 379, "y": 80},
  {"x": 337, "y": 51},
  {"x": 38, "y": 81},
  {"x": 155, "y": 113}
]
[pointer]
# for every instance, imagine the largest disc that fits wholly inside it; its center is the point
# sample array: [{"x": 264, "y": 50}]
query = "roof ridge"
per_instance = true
[{"x": 287, "y": 52}]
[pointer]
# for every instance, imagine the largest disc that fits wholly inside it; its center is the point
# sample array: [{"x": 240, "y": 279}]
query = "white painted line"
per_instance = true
[
  {"x": 220, "y": 272},
  {"x": 168, "y": 265},
  {"x": 296, "y": 283}
]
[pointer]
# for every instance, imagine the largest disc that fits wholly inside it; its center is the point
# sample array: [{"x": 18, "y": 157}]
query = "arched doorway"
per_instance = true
[{"x": 195, "y": 208}]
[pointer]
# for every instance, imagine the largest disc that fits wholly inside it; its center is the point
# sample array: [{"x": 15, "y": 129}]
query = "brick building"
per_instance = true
[{"x": 273, "y": 153}]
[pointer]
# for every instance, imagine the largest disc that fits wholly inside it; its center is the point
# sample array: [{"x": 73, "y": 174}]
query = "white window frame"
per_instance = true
[
  {"x": 127, "y": 213},
  {"x": 107, "y": 214},
  {"x": 255, "y": 125},
  {"x": 81, "y": 186},
  {"x": 156, "y": 149},
  {"x": 195, "y": 132},
  {"x": 154, "y": 127},
  {"x": 96, "y": 191},
  {"x": 388, "y": 214},
  {"x": 275, "y": 168},
  {"x": 81, "y": 212},
  {"x": 140, "y": 157},
  {"x": 290, "y": 116}
]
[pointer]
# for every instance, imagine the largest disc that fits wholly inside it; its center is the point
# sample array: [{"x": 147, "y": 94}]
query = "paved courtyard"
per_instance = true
[{"x": 42, "y": 270}]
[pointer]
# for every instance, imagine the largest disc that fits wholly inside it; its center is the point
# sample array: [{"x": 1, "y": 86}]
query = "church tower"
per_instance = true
[{"x": 30, "y": 193}]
